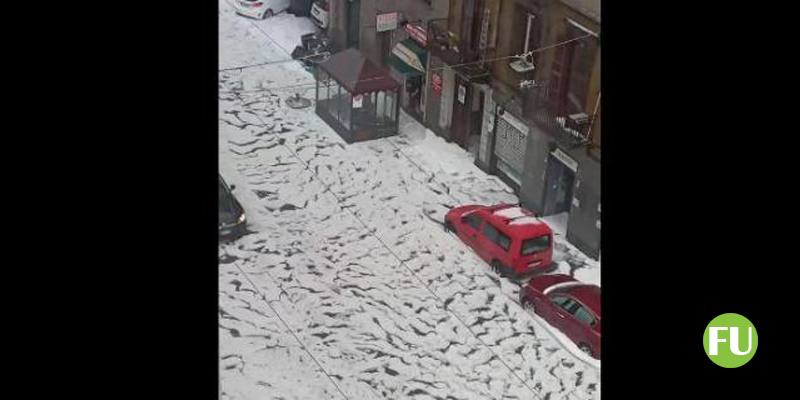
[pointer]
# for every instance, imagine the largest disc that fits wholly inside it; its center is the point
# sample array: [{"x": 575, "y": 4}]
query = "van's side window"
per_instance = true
[
  {"x": 496, "y": 236},
  {"x": 473, "y": 220}
]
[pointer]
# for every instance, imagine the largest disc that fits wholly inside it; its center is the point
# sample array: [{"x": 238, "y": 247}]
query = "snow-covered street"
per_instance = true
[{"x": 347, "y": 285}]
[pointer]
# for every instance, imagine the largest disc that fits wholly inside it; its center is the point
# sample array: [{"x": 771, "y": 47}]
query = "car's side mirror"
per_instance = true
[{"x": 233, "y": 187}]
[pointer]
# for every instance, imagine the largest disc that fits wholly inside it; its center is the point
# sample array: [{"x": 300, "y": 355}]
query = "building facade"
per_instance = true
[
  {"x": 516, "y": 82},
  {"x": 391, "y": 34},
  {"x": 542, "y": 120},
  {"x": 458, "y": 73}
]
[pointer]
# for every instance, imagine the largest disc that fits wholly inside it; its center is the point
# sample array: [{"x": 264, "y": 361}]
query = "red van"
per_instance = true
[{"x": 511, "y": 239}]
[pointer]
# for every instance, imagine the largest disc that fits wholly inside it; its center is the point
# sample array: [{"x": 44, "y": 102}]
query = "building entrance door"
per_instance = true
[{"x": 559, "y": 182}]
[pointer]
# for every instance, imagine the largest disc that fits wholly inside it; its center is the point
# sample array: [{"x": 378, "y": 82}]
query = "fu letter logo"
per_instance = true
[{"x": 730, "y": 340}]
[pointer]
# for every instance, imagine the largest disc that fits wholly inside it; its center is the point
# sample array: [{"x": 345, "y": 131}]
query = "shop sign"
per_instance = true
[
  {"x": 417, "y": 33},
  {"x": 436, "y": 81},
  {"x": 386, "y": 22},
  {"x": 358, "y": 101},
  {"x": 564, "y": 158},
  {"x": 409, "y": 57},
  {"x": 462, "y": 93}
]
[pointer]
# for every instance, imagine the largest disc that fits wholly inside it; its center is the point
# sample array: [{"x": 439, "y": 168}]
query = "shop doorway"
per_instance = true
[
  {"x": 461, "y": 112},
  {"x": 413, "y": 99},
  {"x": 559, "y": 181},
  {"x": 476, "y": 119}
]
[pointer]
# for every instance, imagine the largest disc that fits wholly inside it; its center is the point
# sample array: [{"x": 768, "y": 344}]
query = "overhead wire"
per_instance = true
[{"x": 451, "y": 66}]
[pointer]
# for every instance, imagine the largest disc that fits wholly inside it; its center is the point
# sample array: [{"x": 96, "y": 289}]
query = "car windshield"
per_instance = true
[
  {"x": 224, "y": 199},
  {"x": 535, "y": 245}
]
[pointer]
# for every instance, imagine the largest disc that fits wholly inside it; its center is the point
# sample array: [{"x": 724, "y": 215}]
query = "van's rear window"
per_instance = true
[{"x": 535, "y": 245}]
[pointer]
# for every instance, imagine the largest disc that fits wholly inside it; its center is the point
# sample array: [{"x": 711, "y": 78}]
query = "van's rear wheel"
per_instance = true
[
  {"x": 497, "y": 267},
  {"x": 448, "y": 227},
  {"x": 525, "y": 303},
  {"x": 267, "y": 14},
  {"x": 586, "y": 349}
]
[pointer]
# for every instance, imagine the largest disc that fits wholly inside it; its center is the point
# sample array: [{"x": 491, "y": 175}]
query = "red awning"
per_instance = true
[{"x": 357, "y": 74}]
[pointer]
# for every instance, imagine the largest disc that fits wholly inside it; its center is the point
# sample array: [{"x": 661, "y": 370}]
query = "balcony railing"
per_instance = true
[
  {"x": 570, "y": 130},
  {"x": 446, "y": 45}
]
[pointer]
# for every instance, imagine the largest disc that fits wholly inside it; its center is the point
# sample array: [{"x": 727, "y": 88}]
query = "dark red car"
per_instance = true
[
  {"x": 569, "y": 305},
  {"x": 511, "y": 239}
]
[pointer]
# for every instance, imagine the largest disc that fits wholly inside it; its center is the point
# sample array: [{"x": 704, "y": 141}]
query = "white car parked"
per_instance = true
[
  {"x": 320, "y": 12},
  {"x": 260, "y": 9}
]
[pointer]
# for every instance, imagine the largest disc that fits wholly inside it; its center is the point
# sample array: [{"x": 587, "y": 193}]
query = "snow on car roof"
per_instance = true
[
  {"x": 511, "y": 212},
  {"x": 525, "y": 221},
  {"x": 518, "y": 216}
]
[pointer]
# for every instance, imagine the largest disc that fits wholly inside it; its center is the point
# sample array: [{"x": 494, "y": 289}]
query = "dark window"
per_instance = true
[
  {"x": 496, "y": 236},
  {"x": 584, "y": 316},
  {"x": 473, "y": 220},
  {"x": 580, "y": 69},
  {"x": 565, "y": 303},
  {"x": 535, "y": 245},
  {"x": 503, "y": 241}
]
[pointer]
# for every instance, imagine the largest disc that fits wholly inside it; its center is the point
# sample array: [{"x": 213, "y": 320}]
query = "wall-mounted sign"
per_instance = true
[
  {"x": 417, "y": 33},
  {"x": 436, "y": 81},
  {"x": 462, "y": 93},
  {"x": 387, "y": 22},
  {"x": 564, "y": 158},
  {"x": 358, "y": 100},
  {"x": 409, "y": 57}
]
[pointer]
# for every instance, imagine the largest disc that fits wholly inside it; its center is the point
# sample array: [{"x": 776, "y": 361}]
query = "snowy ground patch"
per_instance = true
[{"x": 347, "y": 278}]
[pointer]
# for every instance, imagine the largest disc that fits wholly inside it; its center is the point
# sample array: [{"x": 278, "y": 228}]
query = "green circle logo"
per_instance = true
[{"x": 730, "y": 340}]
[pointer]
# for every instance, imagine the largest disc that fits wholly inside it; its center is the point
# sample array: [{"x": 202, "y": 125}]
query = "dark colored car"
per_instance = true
[
  {"x": 232, "y": 220},
  {"x": 513, "y": 240},
  {"x": 314, "y": 48},
  {"x": 571, "y": 306}
]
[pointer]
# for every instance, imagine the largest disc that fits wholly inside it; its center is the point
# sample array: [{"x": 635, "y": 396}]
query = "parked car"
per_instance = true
[
  {"x": 571, "y": 306},
  {"x": 320, "y": 13},
  {"x": 260, "y": 9},
  {"x": 232, "y": 220},
  {"x": 513, "y": 240}
]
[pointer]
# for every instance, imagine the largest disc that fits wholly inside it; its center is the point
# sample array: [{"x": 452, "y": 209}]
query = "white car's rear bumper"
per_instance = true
[{"x": 253, "y": 12}]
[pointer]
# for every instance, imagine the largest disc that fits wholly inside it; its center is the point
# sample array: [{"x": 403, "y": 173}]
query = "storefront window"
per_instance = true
[
  {"x": 323, "y": 81},
  {"x": 333, "y": 98},
  {"x": 345, "y": 106},
  {"x": 380, "y": 106},
  {"x": 390, "y": 106},
  {"x": 580, "y": 71}
]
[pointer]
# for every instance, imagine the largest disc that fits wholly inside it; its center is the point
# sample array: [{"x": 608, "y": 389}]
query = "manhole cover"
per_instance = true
[{"x": 298, "y": 102}]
